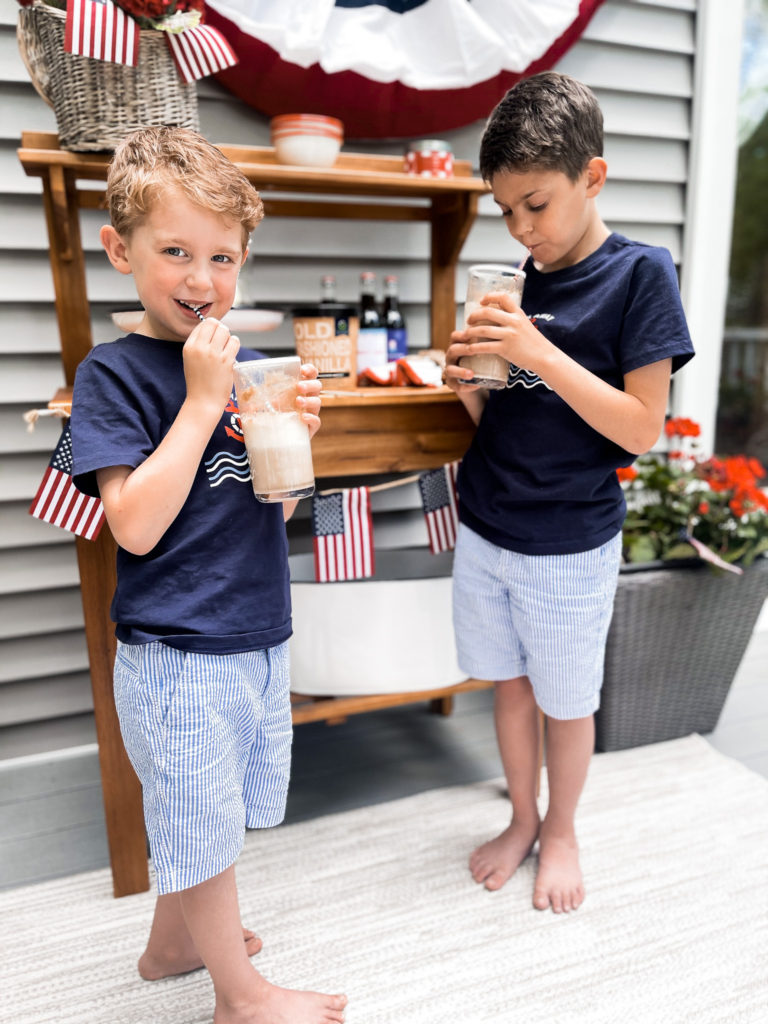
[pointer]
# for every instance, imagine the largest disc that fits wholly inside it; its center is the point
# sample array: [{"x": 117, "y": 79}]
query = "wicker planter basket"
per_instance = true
[
  {"x": 676, "y": 641},
  {"x": 98, "y": 103}
]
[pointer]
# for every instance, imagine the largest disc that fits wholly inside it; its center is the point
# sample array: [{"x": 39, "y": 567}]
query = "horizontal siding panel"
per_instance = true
[
  {"x": 28, "y": 327},
  {"x": 23, "y": 111},
  {"x": 41, "y": 656},
  {"x": 25, "y": 569},
  {"x": 15, "y": 437},
  {"x": 29, "y": 378},
  {"x": 12, "y": 67},
  {"x": 630, "y": 69},
  {"x": 660, "y": 117},
  {"x": 34, "y": 614},
  {"x": 18, "y": 529},
  {"x": 21, "y": 476},
  {"x": 54, "y": 696},
  {"x": 622, "y": 24}
]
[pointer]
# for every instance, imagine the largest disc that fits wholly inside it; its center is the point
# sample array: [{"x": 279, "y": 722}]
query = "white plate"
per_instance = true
[{"x": 236, "y": 319}]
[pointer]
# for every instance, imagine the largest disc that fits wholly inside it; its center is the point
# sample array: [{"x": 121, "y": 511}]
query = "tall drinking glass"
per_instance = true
[
  {"x": 489, "y": 368},
  {"x": 276, "y": 437}
]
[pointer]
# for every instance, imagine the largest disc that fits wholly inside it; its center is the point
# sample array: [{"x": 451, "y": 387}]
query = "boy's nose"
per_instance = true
[{"x": 198, "y": 276}]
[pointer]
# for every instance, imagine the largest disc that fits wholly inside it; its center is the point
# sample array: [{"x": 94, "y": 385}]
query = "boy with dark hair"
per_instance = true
[
  {"x": 540, "y": 507},
  {"x": 202, "y": 604}
]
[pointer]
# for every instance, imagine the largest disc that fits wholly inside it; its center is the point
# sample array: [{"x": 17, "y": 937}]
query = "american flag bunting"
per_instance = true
[
  {"x": 440, "y": 502},
  {"x": 100, "y": 29},
  {"x": 59, "y": 502},
  {"x": 343, "y": 535},
  {"x": 200, "y": 51}
]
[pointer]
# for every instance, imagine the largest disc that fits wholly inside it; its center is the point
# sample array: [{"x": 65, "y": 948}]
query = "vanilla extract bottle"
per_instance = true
[
  {"x": 394, "y": 321},
  {"x": 372, "y": 337}
]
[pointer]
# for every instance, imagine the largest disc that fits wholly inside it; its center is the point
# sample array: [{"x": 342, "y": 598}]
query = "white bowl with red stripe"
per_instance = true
[{"x": 308, "y": 140}]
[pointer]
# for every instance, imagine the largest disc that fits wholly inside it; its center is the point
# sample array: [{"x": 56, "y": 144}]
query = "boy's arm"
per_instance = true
[
  {"x": 140, "y": 504},
  {"x": 632, "y": 418}
]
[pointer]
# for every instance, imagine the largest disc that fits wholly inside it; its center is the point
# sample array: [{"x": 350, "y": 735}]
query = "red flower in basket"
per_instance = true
[
  {"x": 148, "y": 12},
  {"x": 680, "y": 505}
]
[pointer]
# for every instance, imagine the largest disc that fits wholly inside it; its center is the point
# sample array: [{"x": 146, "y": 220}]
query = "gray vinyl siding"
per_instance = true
[{"x": 638, "y": 56}]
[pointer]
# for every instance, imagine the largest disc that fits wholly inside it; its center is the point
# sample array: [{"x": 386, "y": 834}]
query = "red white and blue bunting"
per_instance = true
[{"x": 396, "y": 68}]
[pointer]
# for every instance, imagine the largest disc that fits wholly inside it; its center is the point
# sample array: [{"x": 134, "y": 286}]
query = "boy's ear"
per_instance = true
[
  {"x": 115, "y": 248},
  {"x": 597, "y": 169},
  {"x": 245, "y": 257}
]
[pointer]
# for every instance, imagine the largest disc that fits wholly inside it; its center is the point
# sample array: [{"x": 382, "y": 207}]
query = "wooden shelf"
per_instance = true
[{"x": 370, "y": 430}]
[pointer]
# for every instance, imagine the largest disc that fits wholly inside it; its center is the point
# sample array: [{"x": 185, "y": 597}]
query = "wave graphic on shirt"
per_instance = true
[
  {"x": 524, "y": 378},
  {"x": 226, "y": 466}
]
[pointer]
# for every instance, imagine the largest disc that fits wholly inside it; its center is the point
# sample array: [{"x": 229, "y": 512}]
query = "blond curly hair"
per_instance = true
[{"x": 153, "y": 161}]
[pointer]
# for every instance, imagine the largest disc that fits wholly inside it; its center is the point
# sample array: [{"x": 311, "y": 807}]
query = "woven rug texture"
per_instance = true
[{"x": 378, "y": 903}]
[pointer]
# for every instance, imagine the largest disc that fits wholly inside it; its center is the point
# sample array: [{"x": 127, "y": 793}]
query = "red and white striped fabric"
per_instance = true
[
  {"x": 342, "y": 526},
  {"x": 200, "y": 51},
  {"x": 439, "y": 499},
  {"x": 99, "y": 29},
  {"x": 59, "y": 502}
]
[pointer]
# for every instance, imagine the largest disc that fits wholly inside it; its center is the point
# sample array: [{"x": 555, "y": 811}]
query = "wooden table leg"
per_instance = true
[{"x": 120, "y": 787}]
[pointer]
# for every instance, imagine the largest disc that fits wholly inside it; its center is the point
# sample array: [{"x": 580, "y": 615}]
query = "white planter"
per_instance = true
[{"x": 372, "y": 636}]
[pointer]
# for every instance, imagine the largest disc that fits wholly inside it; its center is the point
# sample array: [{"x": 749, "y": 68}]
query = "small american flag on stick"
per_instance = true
[
  {"x": 440, "y": 502},
  {"x": 99, "y": 29},
  {"x": 200, "y": 51},
  {"x": 343, "y": 535},
  {"x": 59, "y": 502}
]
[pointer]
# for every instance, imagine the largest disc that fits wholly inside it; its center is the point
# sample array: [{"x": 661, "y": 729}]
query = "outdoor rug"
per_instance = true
[{"x": 378, "y": 902}]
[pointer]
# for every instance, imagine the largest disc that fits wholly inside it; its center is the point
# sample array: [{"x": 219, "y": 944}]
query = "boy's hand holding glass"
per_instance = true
[
  {"x": 498, "y": 327},
  {"x": 308, "y": 398}
]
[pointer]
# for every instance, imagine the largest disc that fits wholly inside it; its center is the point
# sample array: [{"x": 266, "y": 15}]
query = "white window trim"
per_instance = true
[{"x": 709, "y": 213}]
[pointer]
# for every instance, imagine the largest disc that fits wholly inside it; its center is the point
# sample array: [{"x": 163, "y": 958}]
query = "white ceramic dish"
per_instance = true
[
  {"x": 236, "y": 319},
  {"x": 308, "y": 150}
]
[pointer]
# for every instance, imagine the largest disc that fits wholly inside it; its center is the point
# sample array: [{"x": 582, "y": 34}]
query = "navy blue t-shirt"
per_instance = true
[
  {"x": 218, "y": 580},
  {"x": 537, "y": 479}
]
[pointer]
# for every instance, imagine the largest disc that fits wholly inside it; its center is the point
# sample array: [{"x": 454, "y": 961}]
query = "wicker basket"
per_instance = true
[
  {"x": 98, "y": 103},
  {"x": 676, "y": 641}
]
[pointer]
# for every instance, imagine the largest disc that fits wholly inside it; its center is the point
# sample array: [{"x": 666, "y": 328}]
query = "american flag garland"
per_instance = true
[
  {"x": 101, "y": 30},
  {"x": 439, "y": 499},
  {"x": 342, "y": 528},
  {"x": 59, "y": 502},
  {"x": 342, "y": 524}
]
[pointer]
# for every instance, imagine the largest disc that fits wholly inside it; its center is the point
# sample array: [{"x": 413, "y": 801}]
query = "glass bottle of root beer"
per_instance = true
[
  {"x": 372, "y": 337},
  {"x": 394, "y": 321}
]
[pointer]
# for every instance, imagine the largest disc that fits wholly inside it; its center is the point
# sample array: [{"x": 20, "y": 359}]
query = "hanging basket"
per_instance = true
[{"x": 98, "y": 103}]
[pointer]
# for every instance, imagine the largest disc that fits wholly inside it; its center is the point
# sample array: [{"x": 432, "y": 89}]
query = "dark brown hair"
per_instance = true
[{"x": 549, "y": 121}]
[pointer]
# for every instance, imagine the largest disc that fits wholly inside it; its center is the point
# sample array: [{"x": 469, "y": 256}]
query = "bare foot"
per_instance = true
[
  {"x": 153, "y": 967},
  {"x": 559, "y": 883},
  {"x": 274, "y": 1005},
  {"x": 496, "y": 861}
]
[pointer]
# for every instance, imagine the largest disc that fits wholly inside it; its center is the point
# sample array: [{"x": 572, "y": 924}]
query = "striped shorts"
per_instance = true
[
  {"x": 209, "y": 736},
  {"x": 541, "y": 616}
]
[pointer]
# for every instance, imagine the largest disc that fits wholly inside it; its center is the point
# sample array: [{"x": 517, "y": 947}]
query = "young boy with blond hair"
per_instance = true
[
  {"x": 540, "y": 507},
  {"x": 202, "y": 605}
]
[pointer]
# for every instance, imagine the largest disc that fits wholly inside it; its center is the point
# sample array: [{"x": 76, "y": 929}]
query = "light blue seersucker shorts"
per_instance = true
[
  {"x": 209, "y": 736},
  {"x": 541, "y": 616}
]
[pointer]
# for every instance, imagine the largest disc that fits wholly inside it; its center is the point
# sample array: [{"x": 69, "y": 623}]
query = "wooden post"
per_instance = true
[{"x": 120, "y": 787}]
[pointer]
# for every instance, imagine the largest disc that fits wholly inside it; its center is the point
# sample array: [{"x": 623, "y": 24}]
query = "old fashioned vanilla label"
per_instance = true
[{"x": 327, "y": 338}]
